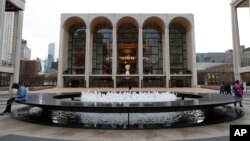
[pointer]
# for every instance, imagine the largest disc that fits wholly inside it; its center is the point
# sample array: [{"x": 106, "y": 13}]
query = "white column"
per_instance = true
[
  {"x": 163, "y": 52},
  {"x": 163, "y": 55},
  {"x": 167, "y": 56},
  {"x": 61, "y": 60},
  {"x": 90, "y": 53},
  {"x": 17, "y": 37},
  {"x": 87, "y": 60},
  {"x": 140, "y": 56},
  {"x": 193, "y": 58},
  {"x": 114, "y": 56},
  {"x": 236, "y": 43},
  {"x": 2, "y": 13}
]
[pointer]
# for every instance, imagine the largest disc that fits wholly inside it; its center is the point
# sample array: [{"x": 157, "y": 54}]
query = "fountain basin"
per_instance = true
[{"x": 188, "y": 110}]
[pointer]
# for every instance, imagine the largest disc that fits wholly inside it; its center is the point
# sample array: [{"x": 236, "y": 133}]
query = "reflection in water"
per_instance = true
[
  {"x": 125, "y": 119},
  {"x": 35, "y": 111},
  {"x": 128, "y": 120}
]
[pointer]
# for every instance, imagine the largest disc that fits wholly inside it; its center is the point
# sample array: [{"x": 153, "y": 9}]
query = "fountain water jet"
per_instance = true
[{"x": 131, "y": 97}]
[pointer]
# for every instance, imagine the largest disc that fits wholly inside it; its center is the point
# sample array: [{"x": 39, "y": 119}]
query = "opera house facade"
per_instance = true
[{"x": 121, "y": 50}]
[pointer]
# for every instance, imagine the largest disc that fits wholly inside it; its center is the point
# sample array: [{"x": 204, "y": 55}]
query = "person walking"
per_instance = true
[
  {"x": 21, "y": 95},
  {"x": 228, "y": 89},
  {"x": 222, "y": 88},
  {"x": 238, "y": 91}
]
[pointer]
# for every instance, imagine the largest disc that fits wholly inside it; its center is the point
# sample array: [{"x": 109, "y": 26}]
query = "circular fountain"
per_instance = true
[{"x": 127, "y": 109}]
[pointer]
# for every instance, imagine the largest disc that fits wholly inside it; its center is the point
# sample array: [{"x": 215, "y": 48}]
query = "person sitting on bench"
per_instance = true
[{"x": 21, "y": 95}]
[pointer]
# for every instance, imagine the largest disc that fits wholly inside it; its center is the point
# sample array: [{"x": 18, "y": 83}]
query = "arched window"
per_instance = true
[
  {"x": 102, "y": 49},
  {"x": 127, "y": 44},
  {"x": 76, "y": 49},
  {"x": 178, "y": 49},
  {"x": 152, "y": 49}
]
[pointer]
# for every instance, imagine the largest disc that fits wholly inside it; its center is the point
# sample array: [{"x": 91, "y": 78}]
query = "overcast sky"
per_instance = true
[{"x": 212, "y": 18}]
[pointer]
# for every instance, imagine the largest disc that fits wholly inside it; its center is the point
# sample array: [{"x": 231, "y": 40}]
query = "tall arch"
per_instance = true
[
  {"x": 74, "y": 51},
  {"x": 69, "y": 22},
  {"x": 180, "y": 46},
  {"x": 127, "y": 45},
  {"x": 153, "y": 46},
  {"x": 102, "y": 46}
]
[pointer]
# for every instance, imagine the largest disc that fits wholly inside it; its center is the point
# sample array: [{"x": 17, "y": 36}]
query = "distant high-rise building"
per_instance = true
[
  {"x": 42, "y": 65},
  {"x": 51, "y": 55},
  {"x": 45, "y": 65},
  {"x": 25, "y": 52}
]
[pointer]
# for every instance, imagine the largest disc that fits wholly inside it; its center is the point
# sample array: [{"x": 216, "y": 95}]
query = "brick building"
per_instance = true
[{"x": 29, "y": 73}]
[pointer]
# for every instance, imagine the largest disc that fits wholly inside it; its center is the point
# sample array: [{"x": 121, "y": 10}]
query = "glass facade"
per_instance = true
[
  {"x": 216, "y": 74},
  {"x": 245, "y": 58},
  {"x": 127, "y": 44},
  {"x": 74, "y": 81},
  {"x": 178, "y": 49},
  {"x": 4, "y": 79},
  {"x": 76, "y": 49},
  {"x": 102, "y": 49},
  {"x": 155, "y": 53},
  {"x": 152, "y": 49}
]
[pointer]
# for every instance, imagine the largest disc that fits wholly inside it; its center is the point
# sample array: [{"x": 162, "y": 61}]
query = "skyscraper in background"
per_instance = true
[
  {"x": 25, "y": 52},
  {"x": 51, "y": 55}
]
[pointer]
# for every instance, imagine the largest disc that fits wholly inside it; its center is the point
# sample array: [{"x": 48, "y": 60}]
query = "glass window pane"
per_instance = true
[
  {"x": 102, "y": 52},
  {"x": 127, "y": 44},
  {"x": 76, "y": 49},
  {"x": 152, "y": 49},
  {"x": 178, "y": 50}
]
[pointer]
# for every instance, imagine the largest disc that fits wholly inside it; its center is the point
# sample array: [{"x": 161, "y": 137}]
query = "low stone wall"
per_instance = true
[
  {"x": 4, "y": 88},
  {"x": 213, "y": 87},
  {"x": 39, "y": 88}
]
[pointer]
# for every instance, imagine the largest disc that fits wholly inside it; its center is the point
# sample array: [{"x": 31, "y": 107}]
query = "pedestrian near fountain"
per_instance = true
[
  {"x": 21, "y": 95},
  {"x": 228, "y": 89},
  {"x": 238, "y": 91},
  {"x": 222, "y": 88}
]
